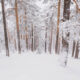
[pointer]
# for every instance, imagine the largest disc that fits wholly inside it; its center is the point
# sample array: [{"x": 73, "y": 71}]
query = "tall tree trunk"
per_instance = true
[
  {"x": 32, "y": 46},
  {"x": 17, "y": 25},
  {"x": 73, "y": 50},
  {"x": 58, "y": 21},
  {"x": 15, "y": 44},
  {"x": 51, "y": 37},
  {"x": 46, "y": 40},
  {"x": 77, "y": 50},
  {"x": 65, "y": 43},
  {"x": 66, "y": 13},
  {"x": 26, "y": 29},
  {"x": 5, "y": 28}
]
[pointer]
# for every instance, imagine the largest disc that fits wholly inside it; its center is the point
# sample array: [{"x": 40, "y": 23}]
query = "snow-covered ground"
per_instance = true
[{"x": 31, "y": 66}]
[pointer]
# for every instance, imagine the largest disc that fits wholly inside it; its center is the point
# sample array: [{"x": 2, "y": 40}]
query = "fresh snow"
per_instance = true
[
  {"x": 35, "y": 66},
  {"x": 32, "y": 66}
]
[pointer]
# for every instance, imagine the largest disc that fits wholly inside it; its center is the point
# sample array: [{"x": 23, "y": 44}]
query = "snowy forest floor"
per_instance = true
[{"x": 33, "y": 66}]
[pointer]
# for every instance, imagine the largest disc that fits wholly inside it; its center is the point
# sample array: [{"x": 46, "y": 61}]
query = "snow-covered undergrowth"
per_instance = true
[{"x": 32, "y": 66}]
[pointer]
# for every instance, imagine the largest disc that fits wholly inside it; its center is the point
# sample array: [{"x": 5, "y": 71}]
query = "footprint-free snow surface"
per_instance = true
[{"x": 37, "y": 67}]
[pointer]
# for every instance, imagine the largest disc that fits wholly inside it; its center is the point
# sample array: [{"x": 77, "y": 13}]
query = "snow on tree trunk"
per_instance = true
[
  {"x": 57, "y": 35},
  {"x": 5, "y": 28},
  {"x": 17, "y": 25},
  {"x": 66, "y": 13},
  {"x": 65, "y": 34},
  {"x": 77, "y": 50},
  {"x": 46, "y": 40},
  {"x": 32, "y": 44},
  {"x": 73, "y": 50}
]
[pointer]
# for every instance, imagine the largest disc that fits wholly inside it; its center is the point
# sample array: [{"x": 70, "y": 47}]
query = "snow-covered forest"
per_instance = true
[{"x": 39, "y": 37}]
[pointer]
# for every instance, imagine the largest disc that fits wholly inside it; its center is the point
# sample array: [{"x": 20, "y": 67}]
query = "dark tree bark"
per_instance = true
[
  {"x": 5, "y": 28},
  {"x": 73, "y": 50},
  {"x": 77, "y": 50},
  {"x": 17, "y": 25},
  {"x": 66, "y": 13},
  {"x": 66, "y": 16}
]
